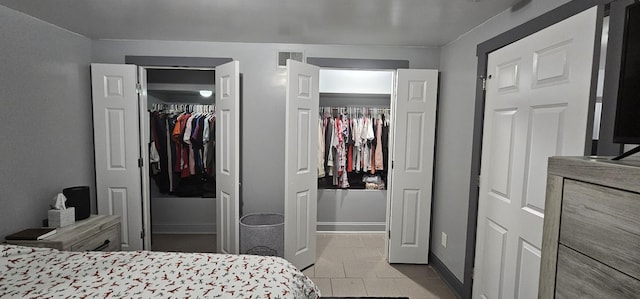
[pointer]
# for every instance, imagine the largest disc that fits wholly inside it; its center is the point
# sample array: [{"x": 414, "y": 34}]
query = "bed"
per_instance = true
[{"x": 27, "y": 272}]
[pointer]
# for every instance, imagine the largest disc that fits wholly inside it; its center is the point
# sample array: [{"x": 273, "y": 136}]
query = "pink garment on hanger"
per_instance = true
[{"x": 379, "y": 159}]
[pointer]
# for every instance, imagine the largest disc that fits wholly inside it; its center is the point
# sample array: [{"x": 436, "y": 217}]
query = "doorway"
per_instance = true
[
  {"x": 352, "y": 193},
  {"x": 181, "y": 141},
  {"x": 122, "y": 145},
  {"x": 409, "y": 201}
]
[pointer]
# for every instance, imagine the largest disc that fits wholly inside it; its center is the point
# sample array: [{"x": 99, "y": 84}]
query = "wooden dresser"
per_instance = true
[
  {"x": 96, "y": 233},
  {"x": 591, "y": 238}
]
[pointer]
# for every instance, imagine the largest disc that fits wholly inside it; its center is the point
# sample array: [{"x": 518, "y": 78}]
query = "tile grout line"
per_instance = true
[{"x": 355, "y": 245}]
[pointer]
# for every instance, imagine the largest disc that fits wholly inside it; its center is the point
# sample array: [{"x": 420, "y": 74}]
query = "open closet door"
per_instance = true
[
  {"x": 227, "y": 97},
  {"x": 301, "y": 155},
  {"x": 413, "y": 148},
  {"x": 537, "y": 105},
  {"x": 145, "y": 141},
  {"x": 116, "y": 134}
]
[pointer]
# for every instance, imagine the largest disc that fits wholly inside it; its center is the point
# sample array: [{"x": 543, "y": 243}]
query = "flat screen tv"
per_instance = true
[{"x": 627, "y": 121}]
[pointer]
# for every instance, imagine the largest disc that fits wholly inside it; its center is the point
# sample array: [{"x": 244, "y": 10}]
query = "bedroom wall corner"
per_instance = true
[{"x": 47, "y": 137}]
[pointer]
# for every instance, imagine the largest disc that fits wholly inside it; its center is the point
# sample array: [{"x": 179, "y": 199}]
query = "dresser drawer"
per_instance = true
[
  {"x": 579, "y": 276},
  {"x": 106, "y": 240},
  {"x": 602, "y": 223}
]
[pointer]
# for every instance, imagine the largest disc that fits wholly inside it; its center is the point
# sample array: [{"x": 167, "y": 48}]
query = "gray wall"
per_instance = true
[
  {"x": 47, "y": 140},
  {"x": 352, "y": 210},
  {"x": 263, "y": 98},
  {"x": 455, "y": 131}
]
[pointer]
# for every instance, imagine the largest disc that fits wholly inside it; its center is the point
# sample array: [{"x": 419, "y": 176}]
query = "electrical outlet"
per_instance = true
[{"x": 444, "y": 240}]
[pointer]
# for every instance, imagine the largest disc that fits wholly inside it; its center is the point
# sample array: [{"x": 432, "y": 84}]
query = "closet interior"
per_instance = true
[
  {"x": 353, "y": 152},
  {"x": 181, "y": 115}
]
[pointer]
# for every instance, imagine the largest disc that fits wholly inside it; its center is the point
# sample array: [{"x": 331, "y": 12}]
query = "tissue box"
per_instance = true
[{"x": 62, "y": 218}]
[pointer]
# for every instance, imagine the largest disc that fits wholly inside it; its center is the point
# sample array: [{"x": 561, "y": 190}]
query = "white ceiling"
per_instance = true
[{"x": 346, "y": 22}]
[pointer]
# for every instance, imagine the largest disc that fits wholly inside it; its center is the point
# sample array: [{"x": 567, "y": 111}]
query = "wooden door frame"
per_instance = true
[{"x": 608, "y": 113}]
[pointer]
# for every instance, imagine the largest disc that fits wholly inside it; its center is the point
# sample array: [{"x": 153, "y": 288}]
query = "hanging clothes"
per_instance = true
[
  {"x": 378, "y": 152},
  {"x": 321, "y": 149},
  {"x": 186, "y": 155},
  {"x": 352, "y": 147}
]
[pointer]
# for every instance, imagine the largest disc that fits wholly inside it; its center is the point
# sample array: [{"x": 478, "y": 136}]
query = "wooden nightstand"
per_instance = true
[{"x": 96, "y": 233}]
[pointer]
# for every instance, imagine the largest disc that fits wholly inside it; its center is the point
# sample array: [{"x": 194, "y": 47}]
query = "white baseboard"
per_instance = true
[
  {"x": 365, "y": 227},
  {"x": 191, "y": 228},
  {"x": 349, "y": 232}
]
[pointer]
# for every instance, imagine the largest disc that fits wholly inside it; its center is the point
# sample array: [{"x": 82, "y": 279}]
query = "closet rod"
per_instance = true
[
  {"x": 191, "y": 108},
  {"x": 354, "y": 110}
]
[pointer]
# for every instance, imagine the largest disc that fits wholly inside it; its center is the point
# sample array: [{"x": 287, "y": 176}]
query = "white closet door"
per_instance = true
[
  {"x": 411, "y": 182},
  {"x": 301, "y": 155},
  {"x": 227, "y": 97},
  {"x": 116, "y": 133},
  {"x": 145, "y": 140},
  {"x": 536, "y": 106}
]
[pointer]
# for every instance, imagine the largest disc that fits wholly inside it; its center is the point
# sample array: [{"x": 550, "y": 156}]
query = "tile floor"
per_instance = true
[
  {"x": 354, "y": 265},
  {"x": 347, "y": 265}
]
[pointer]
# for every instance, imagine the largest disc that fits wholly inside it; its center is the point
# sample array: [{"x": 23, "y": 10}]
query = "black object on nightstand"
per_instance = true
[{"x": 79, "y": 198}]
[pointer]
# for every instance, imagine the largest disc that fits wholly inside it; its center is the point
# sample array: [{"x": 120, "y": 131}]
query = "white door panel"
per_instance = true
[
  {"x": 145, "y": 139},
  {"x": 528, "y": 270},
  {"x": 413, "y": 149},
  {"x": 536, "y": 106},
  {"x": 301, "y": 175},
  {"x": 228, "y": 157},
  {"x": 494, "y": 250},
  {"x": 117, "y": 139}
]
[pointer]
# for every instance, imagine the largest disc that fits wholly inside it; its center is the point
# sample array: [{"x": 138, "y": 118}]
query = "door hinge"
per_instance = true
[
  {"x": 140, "y": 162},
  {"x": 389, "y": 234},
  {"x": 142, "y": 234},
  {"x": 138, "y": 88},
  {"x": 478, "y": 181},
  {"x": 484, "y": 82},
  {"x": 392, "y": 164}
]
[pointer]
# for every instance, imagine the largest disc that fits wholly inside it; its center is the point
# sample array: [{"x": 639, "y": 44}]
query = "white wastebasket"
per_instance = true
[{"x": 262, "y": 234}]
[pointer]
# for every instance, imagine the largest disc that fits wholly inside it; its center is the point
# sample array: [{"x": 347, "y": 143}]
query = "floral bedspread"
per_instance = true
[{"x": 27, "y": 272}]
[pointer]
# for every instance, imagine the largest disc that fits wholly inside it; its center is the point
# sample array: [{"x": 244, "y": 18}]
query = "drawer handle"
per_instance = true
[{"x": 103, "y": 246}]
